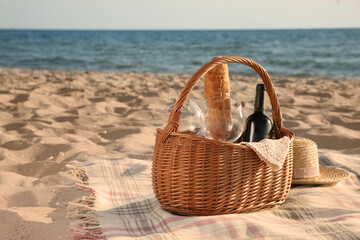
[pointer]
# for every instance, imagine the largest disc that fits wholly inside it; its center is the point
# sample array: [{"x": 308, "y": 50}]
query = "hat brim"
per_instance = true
[{"x": 327, "y": 175}]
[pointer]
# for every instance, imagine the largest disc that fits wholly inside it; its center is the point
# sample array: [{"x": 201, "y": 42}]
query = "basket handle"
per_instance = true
[{"x": 175, "y": 115}]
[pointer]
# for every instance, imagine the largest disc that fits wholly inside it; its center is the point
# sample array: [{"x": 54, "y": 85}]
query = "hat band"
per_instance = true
[{"x": 306, "y": 172}]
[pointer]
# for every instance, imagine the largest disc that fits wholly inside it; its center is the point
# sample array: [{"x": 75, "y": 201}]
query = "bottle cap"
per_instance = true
[{"x": 260, "y": 86}]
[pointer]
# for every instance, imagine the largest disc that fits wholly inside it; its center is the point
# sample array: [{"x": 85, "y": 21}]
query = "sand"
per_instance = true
[{"x": 51, "y": 118}]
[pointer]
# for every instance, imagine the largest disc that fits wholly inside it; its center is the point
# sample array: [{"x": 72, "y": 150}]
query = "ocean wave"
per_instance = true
[{"x": 299, "y": 53}]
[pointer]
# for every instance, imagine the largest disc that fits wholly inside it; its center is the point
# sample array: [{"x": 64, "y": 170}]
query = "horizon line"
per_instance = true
[{"x": 180, "y": 29}]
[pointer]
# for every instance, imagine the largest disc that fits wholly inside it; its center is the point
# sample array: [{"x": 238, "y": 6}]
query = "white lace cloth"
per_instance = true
[{"x": 271, "y": 151}]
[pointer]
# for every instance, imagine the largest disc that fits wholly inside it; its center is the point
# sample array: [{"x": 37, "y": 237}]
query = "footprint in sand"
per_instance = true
[
  {"x": 351, "y": 123},
  {"x": 39, "y": 169},
  {"x": 150, "y": 93},
  {"x": 51, "y": 151},
  {"x": 16, "y": 145},
  {"x": 96, "y": 99},
  {"x": 5, "y": 92},
  {"x": 118, "y": 133},
  {"x": 67, "y": 91},
  {"x": 22, "y": 199},
  {"x": 287, "y": 101},
  {"x": 313, "y": 92},
  {"x": 66, "y": 119},
  {"x": 125, "y": 98},
  {"x": 14, "y": 126},
  {"x": 291, "y": 124},
  {"x": 120, "y": 110},
  {"x": 338, "y": 142},
  {"x": 73, "y": 111},
  {"x": 343, "y": 109},
  {"x": 19, "y": 127},
  {"x": 20, "y": 98},
  {"x": 132, "y": 101}
]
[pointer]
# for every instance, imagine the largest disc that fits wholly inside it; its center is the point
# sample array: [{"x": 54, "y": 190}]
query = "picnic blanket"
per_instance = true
[{"x": 121, "y": 205}]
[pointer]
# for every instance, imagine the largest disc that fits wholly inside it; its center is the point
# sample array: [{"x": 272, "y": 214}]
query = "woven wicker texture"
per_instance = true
[
  {"x": 198, "y": 176},
  {"x": 305, "y": 150}
]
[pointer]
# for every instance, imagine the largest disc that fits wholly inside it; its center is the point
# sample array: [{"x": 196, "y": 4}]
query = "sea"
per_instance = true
[{"x": 315, "y": 53}]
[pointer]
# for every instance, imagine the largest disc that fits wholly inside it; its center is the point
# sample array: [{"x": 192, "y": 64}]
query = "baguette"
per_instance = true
[{"x": 217, "y": 96}]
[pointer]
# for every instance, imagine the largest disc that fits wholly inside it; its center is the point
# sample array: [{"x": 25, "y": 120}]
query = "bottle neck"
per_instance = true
[{"x": 259, "y": 99}]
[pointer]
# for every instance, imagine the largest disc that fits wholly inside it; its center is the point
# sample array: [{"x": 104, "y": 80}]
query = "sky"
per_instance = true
[{"x": 178, "y": 14}]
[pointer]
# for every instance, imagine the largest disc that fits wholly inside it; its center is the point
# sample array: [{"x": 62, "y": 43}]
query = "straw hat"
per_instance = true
[{"x": 306, "y": 165}]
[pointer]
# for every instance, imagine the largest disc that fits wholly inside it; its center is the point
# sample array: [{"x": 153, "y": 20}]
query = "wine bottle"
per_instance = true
[{"x": 257, "y": 125}]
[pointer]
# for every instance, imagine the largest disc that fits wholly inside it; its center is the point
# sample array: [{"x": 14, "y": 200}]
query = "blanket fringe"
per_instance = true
[
  {"x": 85, "y": 223},
  {"x": 78, "y": 172}
]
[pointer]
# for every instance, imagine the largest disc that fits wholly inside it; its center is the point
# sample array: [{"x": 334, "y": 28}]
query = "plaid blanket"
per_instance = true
[{"x": 121, "y": 205}]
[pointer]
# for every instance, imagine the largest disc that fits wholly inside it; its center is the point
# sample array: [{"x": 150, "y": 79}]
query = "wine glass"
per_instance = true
[
  {"x": 190, "y": 116},
  {"x": 222, "y": 119}
]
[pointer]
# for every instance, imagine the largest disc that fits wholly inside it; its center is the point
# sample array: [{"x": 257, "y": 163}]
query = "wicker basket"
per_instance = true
[{"x": 197, "y": 176}]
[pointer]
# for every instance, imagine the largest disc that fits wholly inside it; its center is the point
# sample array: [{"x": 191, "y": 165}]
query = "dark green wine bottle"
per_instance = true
[{"x": 257, "y": 125}]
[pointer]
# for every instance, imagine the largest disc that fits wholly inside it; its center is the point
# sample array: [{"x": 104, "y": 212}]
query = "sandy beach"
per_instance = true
[{"x": 51, "y": 118}]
